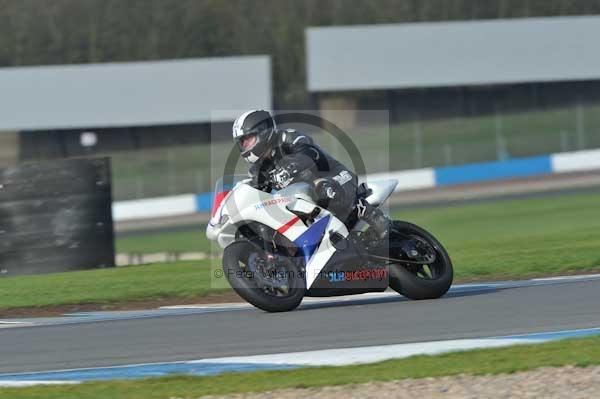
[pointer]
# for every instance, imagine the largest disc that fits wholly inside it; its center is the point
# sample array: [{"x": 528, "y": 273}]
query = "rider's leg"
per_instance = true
[
  {"x": 374, "y": 216},
  {"x": 341, "y": 200}
]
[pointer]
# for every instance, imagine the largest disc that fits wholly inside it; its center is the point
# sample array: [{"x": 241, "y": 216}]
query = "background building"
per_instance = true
[
  {"x": 456, "y": 90},
  {"x": 123, "y": 109},
  {"x": 462, "y": 92}
]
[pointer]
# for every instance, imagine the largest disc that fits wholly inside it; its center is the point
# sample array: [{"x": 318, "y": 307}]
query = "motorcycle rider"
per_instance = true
[{"x": 281, "y": 157}]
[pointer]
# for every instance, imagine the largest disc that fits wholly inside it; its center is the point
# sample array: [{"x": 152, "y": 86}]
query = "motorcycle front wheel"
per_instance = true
[
  {"x": 270, "y": 282},
  {"x": 428, "y": 280}
]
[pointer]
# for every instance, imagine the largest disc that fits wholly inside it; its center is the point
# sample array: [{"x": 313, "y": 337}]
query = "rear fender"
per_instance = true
[{"x": 381, "y": 191}]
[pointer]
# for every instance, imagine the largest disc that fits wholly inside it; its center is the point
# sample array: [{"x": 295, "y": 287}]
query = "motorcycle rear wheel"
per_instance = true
[{"x": 429, "y": 281}]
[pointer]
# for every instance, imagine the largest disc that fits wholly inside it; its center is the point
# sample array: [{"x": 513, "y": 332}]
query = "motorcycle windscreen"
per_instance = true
[{"x": 222, "y": 187}]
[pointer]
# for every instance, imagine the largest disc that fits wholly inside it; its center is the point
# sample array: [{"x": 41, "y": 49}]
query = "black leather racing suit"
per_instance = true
[{"x": 293, "y": 158}]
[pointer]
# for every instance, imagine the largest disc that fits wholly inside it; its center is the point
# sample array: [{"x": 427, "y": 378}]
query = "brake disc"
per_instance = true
[
  {"x": 417, "y": 249},
  {"x": 268, "y": 273}
]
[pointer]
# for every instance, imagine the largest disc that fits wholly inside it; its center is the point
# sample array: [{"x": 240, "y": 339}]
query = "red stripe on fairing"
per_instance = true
[
  {"x": 289, "y": 224},
  {"x": 217, "y": 201}
]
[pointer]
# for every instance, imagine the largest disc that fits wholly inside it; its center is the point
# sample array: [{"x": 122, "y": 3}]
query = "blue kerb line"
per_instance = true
[
  {"x": 449, "y": 175},
  {"x": 81, "y": 318},
  {"x": 201, "y": 368},
  {"x": 550, "y": 336},
  {"x": 143, "y": 371},
  {"x": 204, "y": 202},
  {"x": 488, "y": 171}
]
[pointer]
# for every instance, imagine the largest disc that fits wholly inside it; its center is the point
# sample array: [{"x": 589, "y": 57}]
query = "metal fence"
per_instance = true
[{"x": 425, "y": 143}]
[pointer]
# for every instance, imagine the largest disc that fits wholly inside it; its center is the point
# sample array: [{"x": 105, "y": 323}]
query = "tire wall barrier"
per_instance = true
[{"x": 56, "y": 216}]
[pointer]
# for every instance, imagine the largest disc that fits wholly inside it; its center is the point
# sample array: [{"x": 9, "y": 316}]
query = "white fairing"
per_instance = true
[
  {"x": 381, "y": 191},
  {"x": 301, "y": 205},
  {"x": 244, "y": 204},
  {"x": 326, "y": 249}
]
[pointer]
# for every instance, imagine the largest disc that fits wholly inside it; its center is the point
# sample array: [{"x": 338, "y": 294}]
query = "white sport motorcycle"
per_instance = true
[{"x": 281, "y": 247}]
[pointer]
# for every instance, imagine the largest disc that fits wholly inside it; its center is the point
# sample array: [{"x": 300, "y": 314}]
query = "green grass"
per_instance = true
[
  {"x": 504, "y": 238},
  {"x": 579, "y": 352},
  {"x": 517, "y": 238},
  {"x": 501, "y": 239},
  {"x": 107, "y": 286},
  {"x": 177, "y": 241}
]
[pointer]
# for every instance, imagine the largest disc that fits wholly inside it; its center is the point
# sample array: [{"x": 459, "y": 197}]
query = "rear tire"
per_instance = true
[
  {"x": 407, "y": 282},
  {"x": 245, "y": 284}
]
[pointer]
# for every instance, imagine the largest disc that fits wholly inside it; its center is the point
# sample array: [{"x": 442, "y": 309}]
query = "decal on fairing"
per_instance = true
[
  {"x": 309, "y": 241},
  {"x": 219, "y": 197},
  {"x": 271, "y": 202},
  {"x": 337, "y": 276},
  {"x": 287, "y": 226}
]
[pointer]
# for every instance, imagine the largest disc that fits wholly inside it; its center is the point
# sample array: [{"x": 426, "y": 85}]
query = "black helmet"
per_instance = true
[{"x": 253, "y": 132}]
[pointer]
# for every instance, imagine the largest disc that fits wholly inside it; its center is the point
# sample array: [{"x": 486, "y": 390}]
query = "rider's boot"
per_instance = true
[{"x": 377, "y": 221}]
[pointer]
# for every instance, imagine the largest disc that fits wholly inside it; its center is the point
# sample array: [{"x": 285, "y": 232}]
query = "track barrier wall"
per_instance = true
[{"x": 413, "y": 179}]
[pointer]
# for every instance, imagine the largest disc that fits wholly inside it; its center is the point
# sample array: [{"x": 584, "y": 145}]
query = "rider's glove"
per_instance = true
[
  {"x": 325, "y": 191},
  {"x": 282, "y": 177},
  {"x": 290, "y": 173},
  {"x": 260, "y": 183}
]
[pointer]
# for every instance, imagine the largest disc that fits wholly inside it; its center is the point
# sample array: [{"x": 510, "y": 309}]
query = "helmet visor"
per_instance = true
[{"x": 247, "y": 142}]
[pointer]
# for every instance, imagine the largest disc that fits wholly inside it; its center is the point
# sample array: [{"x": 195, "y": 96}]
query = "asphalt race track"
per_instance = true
[{"x": 470, "y": 312}]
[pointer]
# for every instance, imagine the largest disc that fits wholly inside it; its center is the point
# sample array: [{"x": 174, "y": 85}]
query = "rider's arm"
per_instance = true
[
  {"x": 258, "y": 179},
  {"x": 292, "y": 138},
  {"x": 298, "y": 165}
]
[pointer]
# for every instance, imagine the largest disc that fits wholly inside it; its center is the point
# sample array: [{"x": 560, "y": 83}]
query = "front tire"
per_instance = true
[
  {"x": 414, "y": 282},
  {"x": 249, "y": 283}
]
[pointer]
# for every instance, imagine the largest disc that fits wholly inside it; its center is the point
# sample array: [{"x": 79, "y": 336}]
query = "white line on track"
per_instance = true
[
  {"x": 328, "y": 357},
  {"x": 576, "y": 277},
  {"x": 369, "y": 354},
  {"x": 391, "y": 294},
  {"x": 13, "y": 324},
  {"x": 24, "y": 384},
  {"x": 309, "y": 302}
]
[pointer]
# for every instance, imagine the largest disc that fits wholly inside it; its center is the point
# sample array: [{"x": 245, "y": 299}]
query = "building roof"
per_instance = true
[
  {"x": 133, "y": 94},
  {"x": 453, "y": 53}
]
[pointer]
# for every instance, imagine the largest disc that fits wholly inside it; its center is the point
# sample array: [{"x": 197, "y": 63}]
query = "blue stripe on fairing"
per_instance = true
[
  {"x": 487, "y": 171},
  {"x": 311, "y": 238},
  {"x": 141, "y": 371}
]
